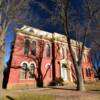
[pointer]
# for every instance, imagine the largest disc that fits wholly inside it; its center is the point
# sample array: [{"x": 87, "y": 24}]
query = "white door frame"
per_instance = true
[{"x": 64, "y": 73}]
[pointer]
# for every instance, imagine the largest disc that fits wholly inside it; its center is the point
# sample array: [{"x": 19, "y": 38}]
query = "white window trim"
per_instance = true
[{"x": 24, "y": 62}]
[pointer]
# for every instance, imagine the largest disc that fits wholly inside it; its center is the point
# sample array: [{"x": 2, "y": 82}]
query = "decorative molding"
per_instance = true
[{"x": 24, "y": 62}]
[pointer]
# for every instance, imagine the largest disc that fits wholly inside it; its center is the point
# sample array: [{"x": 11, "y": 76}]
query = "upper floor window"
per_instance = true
[
  {"x": 33, "y": 48},
  {"x": 26, "y": 46},
  {"x": 31, "y": 72},
  {"x": 47, "y": 50},
  {"x": 61, "y": 52},
  {"x": 23, "y": 71}
]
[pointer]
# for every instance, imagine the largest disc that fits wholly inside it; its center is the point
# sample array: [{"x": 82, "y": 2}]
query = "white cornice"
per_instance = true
[{"x": 40, "y": 34}]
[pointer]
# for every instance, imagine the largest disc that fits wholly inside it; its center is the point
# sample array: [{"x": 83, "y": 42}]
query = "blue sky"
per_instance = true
[
  {"x": 39, "y": 17},
  {"x": 8, "y": 39}
]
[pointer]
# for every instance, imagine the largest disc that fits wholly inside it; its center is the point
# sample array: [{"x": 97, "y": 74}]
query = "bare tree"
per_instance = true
[
  {"x": 11, "y": 11},
  {"x": 95, "y": 58},
  {"x": 64, "y": 14},
  {"x": 91, "y": 10}
]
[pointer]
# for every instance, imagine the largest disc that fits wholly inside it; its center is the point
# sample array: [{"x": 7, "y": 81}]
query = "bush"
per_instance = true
[{"x": 56, "y": 82}]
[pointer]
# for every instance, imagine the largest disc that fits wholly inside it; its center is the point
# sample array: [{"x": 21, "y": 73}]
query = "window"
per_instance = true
[
  {"x": 31, "y": 71},
  {"x": 33, "y": 48},
  {"x": 88, "y": 72},
  {"x": 63, "y": 66},
  {"x": 26, "y": 46},
  {"x": 31, "y": 30},
  {"x": 66, "y": 51},
  {"x": 23, "y": 71},
  {"x": 62, "y": 53},
  {"x": 47, "y": 50}
]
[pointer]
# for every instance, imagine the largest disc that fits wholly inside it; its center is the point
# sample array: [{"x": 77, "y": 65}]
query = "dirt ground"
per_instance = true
[{"x": 66, "y": 92}]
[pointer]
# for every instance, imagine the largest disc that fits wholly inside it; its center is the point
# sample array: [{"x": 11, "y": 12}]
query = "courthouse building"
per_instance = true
[{"x": 40, "y": 55}]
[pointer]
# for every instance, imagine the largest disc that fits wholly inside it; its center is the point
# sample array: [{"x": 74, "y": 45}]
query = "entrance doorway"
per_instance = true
[{"x": 64, "y": 72}]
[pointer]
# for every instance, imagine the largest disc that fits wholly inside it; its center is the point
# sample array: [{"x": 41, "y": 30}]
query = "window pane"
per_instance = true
[
  {"x": 26, "y": 46},
  {"x": 23, "y": 71},
  {"x": 24, "y": 66},
  {"x": 63, "y": 65},
  {"x": 61, "y": 52},
  {"x": 47, "y": 50},
  {"x": 33, "y": 48},
  {"x": 31, "y": 72}
]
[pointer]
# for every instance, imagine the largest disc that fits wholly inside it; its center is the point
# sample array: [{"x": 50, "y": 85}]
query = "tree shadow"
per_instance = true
[
  {"x": 96, "y": 90},
  {"x": 10, "y": 98},
  {"x": 61, "y": 88}
]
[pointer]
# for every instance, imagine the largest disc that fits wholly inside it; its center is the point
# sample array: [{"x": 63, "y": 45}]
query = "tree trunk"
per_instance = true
[
  {"x": 2, "y": 52},
  {"x": 53, "y": 62},
  {"x": 80, "y": 81},
  {"x": 78, "y": 70},
  {"x": 1, "y": 73}
]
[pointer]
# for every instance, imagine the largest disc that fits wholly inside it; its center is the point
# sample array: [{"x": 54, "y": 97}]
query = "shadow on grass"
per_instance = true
[
  {"x": 60, "y": 88},
  {"x": 10, "y": 98},
  {"x": 95, "y": 90}
]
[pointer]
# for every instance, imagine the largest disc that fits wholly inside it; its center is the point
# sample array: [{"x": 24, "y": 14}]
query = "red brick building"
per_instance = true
[{"x": 39, "y": 56}]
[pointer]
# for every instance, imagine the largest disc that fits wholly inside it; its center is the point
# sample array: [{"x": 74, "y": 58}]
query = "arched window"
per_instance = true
[
  {"x": 47, "y": 50},
  {"x": 26, "y": 46},
  {"x": 31, "y": 71},
  {"x": 23, "y": 71},
  {"x": 33, "y": 48}
]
